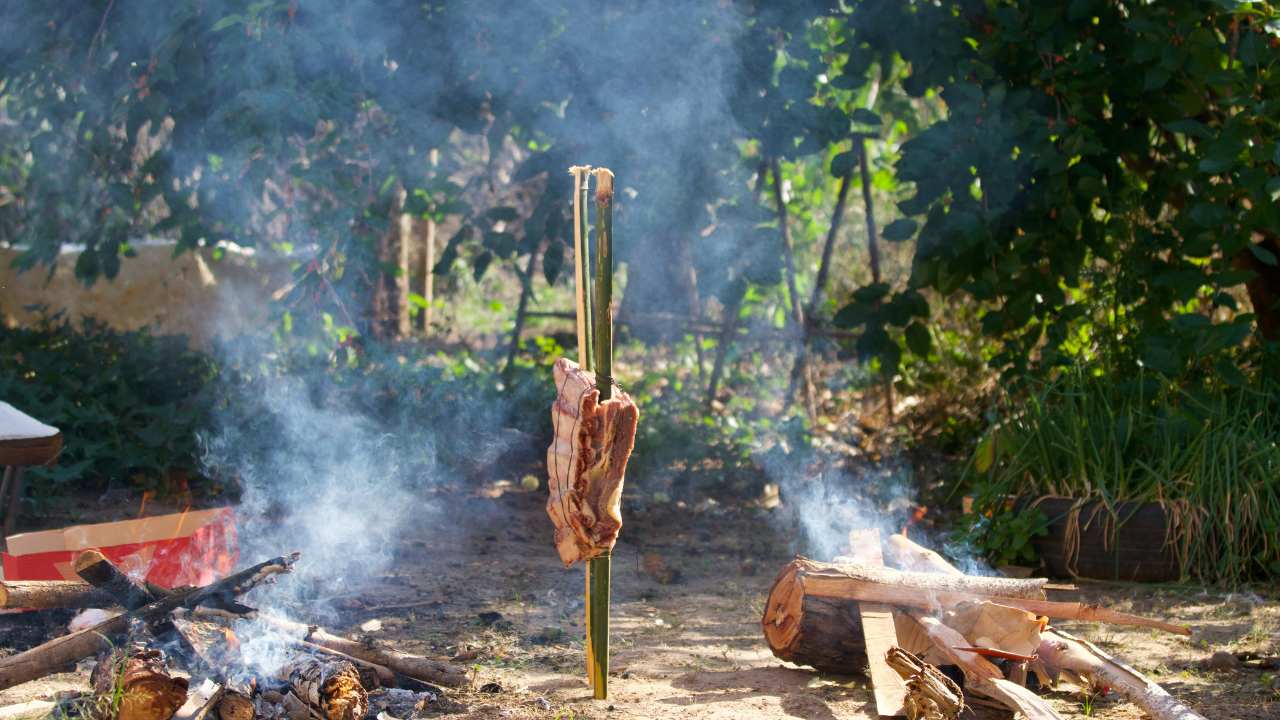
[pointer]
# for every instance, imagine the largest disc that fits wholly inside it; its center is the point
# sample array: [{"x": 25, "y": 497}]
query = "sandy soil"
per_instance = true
[{"x": 492, "y": 593}]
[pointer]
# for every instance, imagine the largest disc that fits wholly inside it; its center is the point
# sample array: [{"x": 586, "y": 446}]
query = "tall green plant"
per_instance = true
[{"x": 1210, "y": 456}]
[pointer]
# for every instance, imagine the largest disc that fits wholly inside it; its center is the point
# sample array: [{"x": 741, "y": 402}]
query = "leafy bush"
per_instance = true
[
  {"x": 128, "y": 403},
  {"x": 1210, "y": 455}
]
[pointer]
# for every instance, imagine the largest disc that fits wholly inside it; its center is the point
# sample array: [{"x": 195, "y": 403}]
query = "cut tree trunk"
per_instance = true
[
  {"x": 136, "y": 682},
  {"x": 56, "y": 654},
  {"x": 48, "y": 594},
  {"x": 824, "y": 633}
]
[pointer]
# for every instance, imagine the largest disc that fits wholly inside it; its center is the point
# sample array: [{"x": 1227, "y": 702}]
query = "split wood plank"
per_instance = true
[{"x": 879, "y": 632}]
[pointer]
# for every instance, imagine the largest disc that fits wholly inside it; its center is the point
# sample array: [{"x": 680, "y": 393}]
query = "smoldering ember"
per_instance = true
[{"x": 712, "y": 359}]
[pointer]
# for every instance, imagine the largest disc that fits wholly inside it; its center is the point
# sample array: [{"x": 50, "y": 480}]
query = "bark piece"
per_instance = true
[
  {"x": 981, "y": 676},
  {"x": 97, "y": 570},
  {"x": 930, "y": 694},
  {"x": 58, "y": 653},
  {"x": 1060, "y": 651},
  {"x": 235, "y": 705},
  {"x": 587, "y": 463},
  {"x": 49, "y": 594},
  {"x": 137, "y": 681}
]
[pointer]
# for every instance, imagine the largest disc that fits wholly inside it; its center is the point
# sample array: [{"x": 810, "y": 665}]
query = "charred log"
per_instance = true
[{"x": 137, "y": 682}]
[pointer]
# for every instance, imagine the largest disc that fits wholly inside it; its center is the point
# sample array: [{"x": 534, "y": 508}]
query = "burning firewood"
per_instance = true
[
  {"x": 330, "y": 684},
  {"x": 56, "y": 654},
  {"x": 587, "y": 462},
  {"x": 137, "y": 685}
]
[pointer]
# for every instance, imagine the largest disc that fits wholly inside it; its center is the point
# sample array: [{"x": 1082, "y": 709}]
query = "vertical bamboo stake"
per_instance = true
[
  {"x": 582, "y": 282},
  {"x": 599, "y": 567},
  {"x": 581, "y": 272}
]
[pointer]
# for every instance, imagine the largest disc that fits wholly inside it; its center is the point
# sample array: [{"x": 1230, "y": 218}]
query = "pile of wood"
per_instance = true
[
  {"x": 905, "y": 621},
  {"x": 178, "y": 654}
]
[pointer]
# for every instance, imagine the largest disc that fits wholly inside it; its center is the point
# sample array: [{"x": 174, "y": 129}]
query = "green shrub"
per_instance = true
[{"x": 128, "y": 403}]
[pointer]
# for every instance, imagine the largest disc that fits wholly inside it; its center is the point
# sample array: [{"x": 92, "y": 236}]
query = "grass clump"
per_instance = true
[{"x": 1209, "y": 455}]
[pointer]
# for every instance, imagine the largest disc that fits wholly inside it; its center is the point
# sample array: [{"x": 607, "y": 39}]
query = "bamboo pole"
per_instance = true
[
  {"x": 581, "y": 272},
  {"x": 599, "y": 568}
]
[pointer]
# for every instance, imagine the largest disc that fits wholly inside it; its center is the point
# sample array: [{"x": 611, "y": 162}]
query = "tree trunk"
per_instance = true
[
  {"x": 137, "y": 683},
  {"x": 799, "y": 372},
  {"x": 391, "y": 292}
]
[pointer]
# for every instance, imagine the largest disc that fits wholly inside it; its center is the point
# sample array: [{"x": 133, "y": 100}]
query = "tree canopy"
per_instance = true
[{"x": 1098, "y": 177}]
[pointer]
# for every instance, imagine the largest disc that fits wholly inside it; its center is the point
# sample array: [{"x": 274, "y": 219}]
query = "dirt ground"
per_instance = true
[{"x": 686, "y": 637}]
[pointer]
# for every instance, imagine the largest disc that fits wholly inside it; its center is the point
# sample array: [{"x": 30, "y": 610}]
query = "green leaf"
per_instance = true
[
  {"x": 900, "y": 230},
  {"x": 865, "y": 117},
  {"x": 984, "y": 456},
  {"x": 227, "y": 22},
  {"x": 1265, "y": 256},
  {"x": 918, "y": 339},
  {"x": 844, "y": 163}
]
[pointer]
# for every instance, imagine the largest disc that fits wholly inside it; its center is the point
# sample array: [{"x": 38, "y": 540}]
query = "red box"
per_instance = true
[{"x": 189, "y": 548}]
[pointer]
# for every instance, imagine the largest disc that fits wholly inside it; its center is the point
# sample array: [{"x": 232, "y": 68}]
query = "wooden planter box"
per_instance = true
[{"x": 1131, "y": 547}]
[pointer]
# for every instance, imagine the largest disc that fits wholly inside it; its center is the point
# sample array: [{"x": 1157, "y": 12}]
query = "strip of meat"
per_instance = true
[{"x": 587, "y": 463}]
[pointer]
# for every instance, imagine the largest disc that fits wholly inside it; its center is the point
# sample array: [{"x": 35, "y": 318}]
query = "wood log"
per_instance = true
[
  {"x": 328, "y": 683},
  {"x": 412, "y": 666},
  {"x": 822, "y": 632},
  {"x": 31, "y": 710},
  {"x": 930, "y": 694},
  {"x": 136, "y": 681},
  {"x": 50, "y": 594},
  {"x": 904, "y": 554},
  {"x": 58, "y": 653},
  {"x": 899, "y": 587},
  {"x": 235, "y": 705},
  {"x": 94, "y": 568},
  {"x": 1061, "y": 651}
]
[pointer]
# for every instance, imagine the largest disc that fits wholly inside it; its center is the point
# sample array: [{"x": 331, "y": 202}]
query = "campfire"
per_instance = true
[
  {"x": 906, "y": 620},
  {"x": 184, "y": 654}
]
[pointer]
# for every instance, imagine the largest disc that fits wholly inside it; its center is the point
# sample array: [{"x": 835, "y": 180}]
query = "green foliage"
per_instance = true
[
  {"x": 128, "y": 403},
  {"x": 1005, "y": 538},
  {"x": 1209, "y": 455},
  {"x": 1102, "y": 182}
]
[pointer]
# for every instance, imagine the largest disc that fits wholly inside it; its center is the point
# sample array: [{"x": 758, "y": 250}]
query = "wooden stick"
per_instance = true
[
  {"x": 1062, "y": 651},
  {"x": 582, "y": 314},
  {"x": 903, "y": 588},
  {"x": 48, "y": 594},
  {"x": 60, "y": 652},
  {"x": 413, "y": 666}
]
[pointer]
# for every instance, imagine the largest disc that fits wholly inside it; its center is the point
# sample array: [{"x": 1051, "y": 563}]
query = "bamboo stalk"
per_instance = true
[
  {"x": 581, "y": 272},
  {"x": 599, "y": 567}
]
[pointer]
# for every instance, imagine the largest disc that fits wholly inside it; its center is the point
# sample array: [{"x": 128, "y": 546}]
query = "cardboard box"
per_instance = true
[{"x": 189, "y": 548}]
